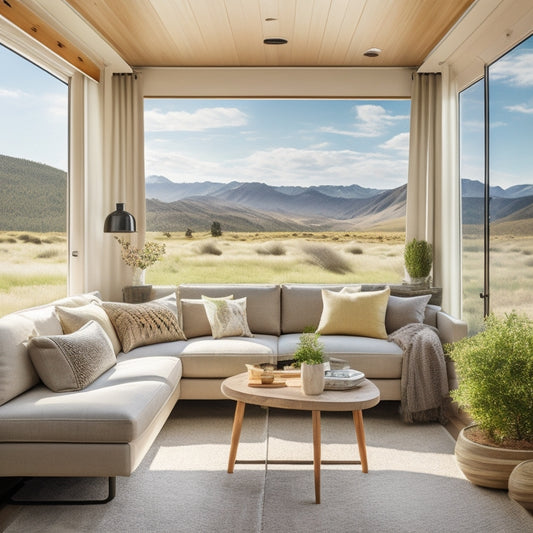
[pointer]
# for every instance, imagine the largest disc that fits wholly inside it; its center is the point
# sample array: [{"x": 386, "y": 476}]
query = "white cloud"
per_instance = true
[
  {"x": 201, "y": 120},
  {"x": 370, "y": 121},
  {"x": 521, "y": 108},
  {"x": 516, "y": 69},
  {"x": 9, "y": 93},
  {"x": 56, "y": 105},
  {"x": 399, "y": 143},
  {"x": 284, "y": 166}
]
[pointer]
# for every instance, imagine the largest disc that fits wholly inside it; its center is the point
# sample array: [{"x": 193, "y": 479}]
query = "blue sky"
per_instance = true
[
  {"x": 280, "y": 142},
  {"x": 290, "y": 142}
]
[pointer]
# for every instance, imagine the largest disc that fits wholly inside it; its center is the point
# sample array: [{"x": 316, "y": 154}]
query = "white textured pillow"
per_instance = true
[
  {"x": 71, "y": 362},
  {"x": 73, "y": 318},
  {"x": 227, "y": 317},
  {"x": 193, "y": 318}
]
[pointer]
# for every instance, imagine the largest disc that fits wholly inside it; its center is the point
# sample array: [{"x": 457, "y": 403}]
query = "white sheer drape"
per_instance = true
[
  {"x": 107, "y": 167},
  {"x": 433, "y": 201}
]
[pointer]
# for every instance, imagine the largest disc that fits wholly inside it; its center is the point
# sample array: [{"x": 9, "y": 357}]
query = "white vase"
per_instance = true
[
  {"x": 138, "y": 276},
  {"x": 312, "y": 379}
]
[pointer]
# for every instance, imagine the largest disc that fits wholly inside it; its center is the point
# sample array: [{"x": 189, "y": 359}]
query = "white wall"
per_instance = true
[{"x": 278, "y": 82}]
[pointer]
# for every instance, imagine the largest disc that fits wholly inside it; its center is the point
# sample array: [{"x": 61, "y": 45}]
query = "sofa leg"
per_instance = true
[{"x": 112, "y": 489}]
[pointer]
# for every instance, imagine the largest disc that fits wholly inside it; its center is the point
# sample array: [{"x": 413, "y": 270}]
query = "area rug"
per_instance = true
[{"x": 413, "y": 484}]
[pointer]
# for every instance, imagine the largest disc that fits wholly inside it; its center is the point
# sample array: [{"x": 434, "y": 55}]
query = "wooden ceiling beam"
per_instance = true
[{"x": 25, "y": 19}]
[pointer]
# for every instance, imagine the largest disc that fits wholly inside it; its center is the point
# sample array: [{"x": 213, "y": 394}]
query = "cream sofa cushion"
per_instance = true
[
  {"x": 73, "y": 361},
  {"x": 73, "y": 318},
  {"x": 193, "y": 317},
  {"x": 360, "y": 313}
]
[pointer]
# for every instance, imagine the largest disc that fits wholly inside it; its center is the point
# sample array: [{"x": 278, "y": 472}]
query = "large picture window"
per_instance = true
[
  {"x": 33, "y": 183},
  {"x": 277, "y": 190}
]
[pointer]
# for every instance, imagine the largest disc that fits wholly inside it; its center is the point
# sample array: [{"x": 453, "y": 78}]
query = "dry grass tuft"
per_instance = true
[
  {"x": 327, "y": 258},
  {"x": 355, "y": 250},
  {"x": 210, "y": 248},
  {"x": 272, "y": 248}
]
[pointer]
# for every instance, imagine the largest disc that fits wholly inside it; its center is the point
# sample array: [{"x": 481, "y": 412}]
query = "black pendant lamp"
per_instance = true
[{"x": 120, "y": 221}]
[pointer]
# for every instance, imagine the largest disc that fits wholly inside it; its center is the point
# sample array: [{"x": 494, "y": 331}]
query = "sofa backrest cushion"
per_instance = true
[
  {"x": 17, "y": 373},
  {"x": 262, "y": 302}
]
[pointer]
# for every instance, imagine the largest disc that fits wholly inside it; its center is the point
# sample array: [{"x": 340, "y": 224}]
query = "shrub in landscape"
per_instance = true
[
  {"x": 210, "y": 248},
  {"x": 327, "y": 258},
  {"x": 48, "y": 254},
  {"x": 355, "y": 250},
  {"x": 273, "y": 248}
]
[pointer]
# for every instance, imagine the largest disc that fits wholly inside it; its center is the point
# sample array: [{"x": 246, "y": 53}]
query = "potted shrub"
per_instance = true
[
  {"x": 418, "y": 259},
  {"x": 309, "y": 355},
  {"x": 495, "y": 369}
]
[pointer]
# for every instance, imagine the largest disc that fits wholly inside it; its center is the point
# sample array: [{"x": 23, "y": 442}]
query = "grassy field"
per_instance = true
[{"x": 33, "y": 267}]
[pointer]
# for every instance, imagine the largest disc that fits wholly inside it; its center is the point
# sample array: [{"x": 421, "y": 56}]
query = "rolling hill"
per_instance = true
[{"x": 33, "y": 196}]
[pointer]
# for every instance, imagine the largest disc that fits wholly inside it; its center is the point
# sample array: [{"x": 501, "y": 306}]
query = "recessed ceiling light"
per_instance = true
[
  {"x": 275, "y": 40},
  {"x": 372, "y": 52}
]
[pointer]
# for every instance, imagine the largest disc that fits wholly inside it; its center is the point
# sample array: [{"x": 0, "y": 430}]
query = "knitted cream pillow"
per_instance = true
[
  {"x": 71, "y": 362},
  {"x": 360, "y": 313},
  {"x": 142, "y": 324}
]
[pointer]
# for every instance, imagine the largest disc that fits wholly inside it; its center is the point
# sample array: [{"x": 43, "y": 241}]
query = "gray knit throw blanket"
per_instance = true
[{"x": 424, "y": 385}]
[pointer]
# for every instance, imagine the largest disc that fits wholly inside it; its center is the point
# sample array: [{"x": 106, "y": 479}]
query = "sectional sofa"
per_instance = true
[{"x": 86, "y": 385}]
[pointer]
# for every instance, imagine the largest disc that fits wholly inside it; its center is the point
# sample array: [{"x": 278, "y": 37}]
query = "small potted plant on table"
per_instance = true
[
  {"x": 495, "y": 369},
  {"x": 310, "y": 356}
]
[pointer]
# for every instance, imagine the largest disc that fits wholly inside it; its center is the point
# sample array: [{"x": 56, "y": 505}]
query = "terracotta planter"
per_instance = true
[
  {"x": 312, "y": 379},
  {"x": 487, "y": 466}
]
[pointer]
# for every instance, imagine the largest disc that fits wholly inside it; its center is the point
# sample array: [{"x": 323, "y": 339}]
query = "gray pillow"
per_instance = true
[
  {"x": 403, "y": 311},
  {"x": 71, "y": 362}
]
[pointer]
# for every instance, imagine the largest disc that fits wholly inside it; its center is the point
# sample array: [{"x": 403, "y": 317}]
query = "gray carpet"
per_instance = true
[{"x": 413, "y": 484}]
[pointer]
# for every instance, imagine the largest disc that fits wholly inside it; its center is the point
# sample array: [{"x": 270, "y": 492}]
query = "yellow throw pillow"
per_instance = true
[{"x": 360, "y": 313}]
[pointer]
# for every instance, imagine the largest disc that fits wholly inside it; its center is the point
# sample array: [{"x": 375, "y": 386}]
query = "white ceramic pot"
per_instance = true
[
  {"x": 138, "y": 277},
  {"x": 313, "y": 379}
]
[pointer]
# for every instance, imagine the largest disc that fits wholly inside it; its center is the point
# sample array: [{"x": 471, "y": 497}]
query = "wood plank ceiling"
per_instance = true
[{"x": 230, "y": 33}]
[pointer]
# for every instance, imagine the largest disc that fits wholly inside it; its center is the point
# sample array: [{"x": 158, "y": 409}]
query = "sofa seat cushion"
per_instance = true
[
  {"x": 377, "y": 358},
  {"x": 116, "y": 408},
  {"x": 205, "y": 357}
]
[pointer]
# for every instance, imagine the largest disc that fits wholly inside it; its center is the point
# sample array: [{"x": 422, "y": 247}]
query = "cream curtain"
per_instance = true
[
  {"x": 106, "y": 167},
  {"x": 433, "y": 203}
]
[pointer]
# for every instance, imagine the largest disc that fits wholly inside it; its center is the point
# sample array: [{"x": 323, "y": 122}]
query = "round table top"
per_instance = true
[{"x": 362, "y": 397}]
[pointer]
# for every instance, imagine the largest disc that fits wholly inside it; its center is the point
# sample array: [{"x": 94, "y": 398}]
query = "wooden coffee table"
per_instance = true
[{"x": 355, "y": 400}]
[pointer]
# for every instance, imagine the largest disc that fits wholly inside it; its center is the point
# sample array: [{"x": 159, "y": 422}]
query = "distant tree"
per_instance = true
[
  {"x": 188, "y": 233},
  {"x": 216, "y": 229},
  {"x": 167, "y": 234}
]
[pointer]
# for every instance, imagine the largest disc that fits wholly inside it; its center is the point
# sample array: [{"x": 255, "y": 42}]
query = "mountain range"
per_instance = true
[{"x": 33, "y": 198}]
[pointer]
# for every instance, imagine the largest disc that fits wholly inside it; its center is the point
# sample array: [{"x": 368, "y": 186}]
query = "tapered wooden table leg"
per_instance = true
[
  {"x": 235, "y": 435},
  {"x": 360, "y": 434},
  {"x": 317, "y": 459}
]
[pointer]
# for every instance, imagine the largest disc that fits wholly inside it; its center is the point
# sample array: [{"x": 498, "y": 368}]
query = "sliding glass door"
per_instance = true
[{"x": 496, "y": 128}]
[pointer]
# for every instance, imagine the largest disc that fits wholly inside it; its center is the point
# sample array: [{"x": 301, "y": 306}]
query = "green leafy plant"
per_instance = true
[
  {"x": 418, "y": 258},
  {"x": 309, "y": 350},
  {"x": 495, "y": 369}
]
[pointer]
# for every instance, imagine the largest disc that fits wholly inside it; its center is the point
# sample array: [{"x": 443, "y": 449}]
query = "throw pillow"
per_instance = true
[
  {"x": 403, "y": 311},
  {"x": 360, "y": 313},
  {"x": 143, "y": 324},
  {"x": 73, "y": 361},
  {"x": 73, "y": 318},
  {"x": 227, "y": 317},
  {"x": 193, "y": 318}
]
